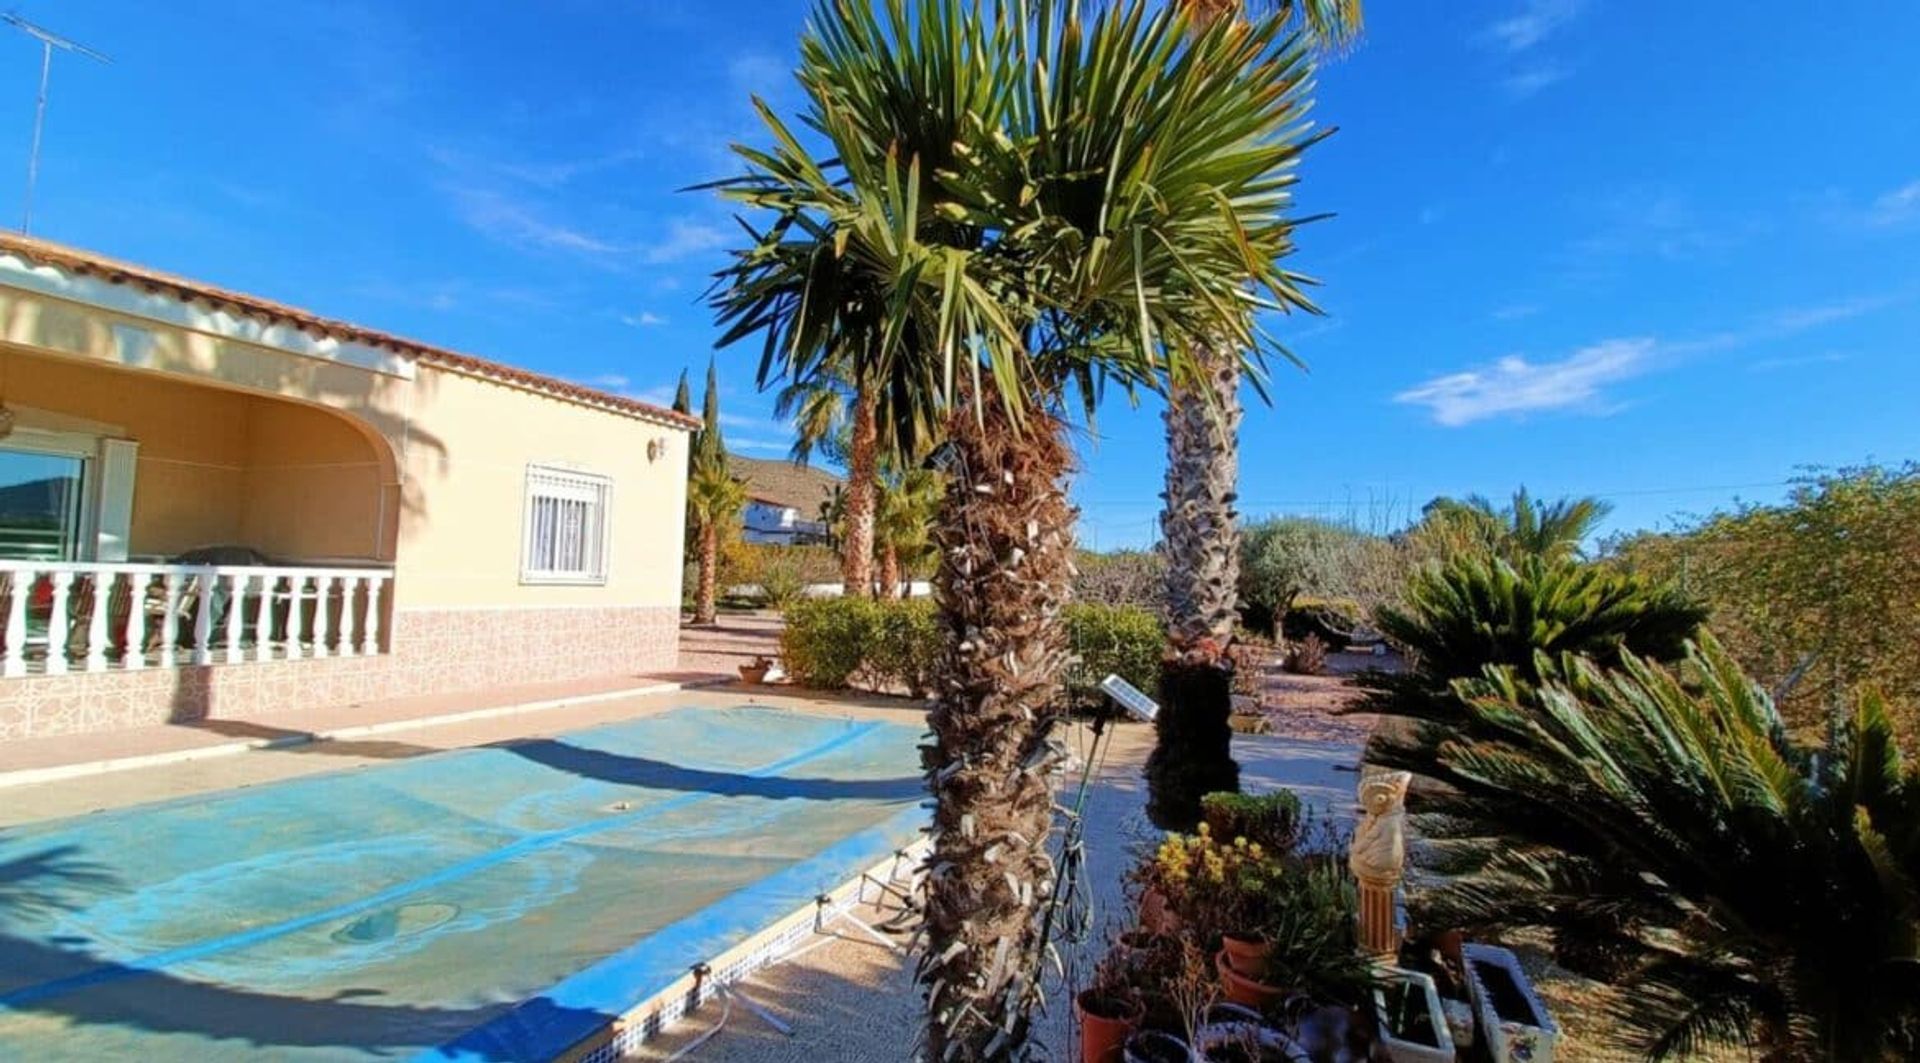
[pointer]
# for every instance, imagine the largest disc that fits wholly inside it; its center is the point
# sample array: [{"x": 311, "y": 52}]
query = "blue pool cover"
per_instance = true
[{"x": 486, "y": 904}]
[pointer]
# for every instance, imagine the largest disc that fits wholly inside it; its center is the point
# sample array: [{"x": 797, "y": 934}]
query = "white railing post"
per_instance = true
[
  {"x": 134, "y": 657},
  {"x": 296, "y": 593},
  {"x": 349, "y": 590},
  {"x": 170, "y": 620},
  {"x": 322, "y": 613},
  {"x": 263, "y": 622},
  {"x": 205, "y": 583},
  {"x": 370, "y": 632},
  {"x": 101, "y": 588},
  {"x": 16, "y": 644},
  {"x": 57, "y": 624},
  {"x": 236, "y": 613}
]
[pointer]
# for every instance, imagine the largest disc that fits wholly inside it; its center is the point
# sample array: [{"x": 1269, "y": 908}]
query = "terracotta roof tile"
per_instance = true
[{"x": 76, "y": 260}]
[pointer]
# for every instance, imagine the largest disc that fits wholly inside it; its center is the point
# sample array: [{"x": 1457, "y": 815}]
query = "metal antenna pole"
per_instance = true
[
  {"x": 48, "y": 42},
  {"x": 39, "y": 123}
]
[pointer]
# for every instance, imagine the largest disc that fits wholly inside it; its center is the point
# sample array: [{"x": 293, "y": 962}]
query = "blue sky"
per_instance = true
[{"x": 1663, "y": 253}]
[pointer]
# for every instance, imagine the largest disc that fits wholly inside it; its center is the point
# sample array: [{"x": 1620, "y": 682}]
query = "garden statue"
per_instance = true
[{"x": 1378, "y": 856}]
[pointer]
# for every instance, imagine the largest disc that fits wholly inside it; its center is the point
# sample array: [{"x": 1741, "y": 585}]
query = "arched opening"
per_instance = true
[{"x": 104, "y": 463}]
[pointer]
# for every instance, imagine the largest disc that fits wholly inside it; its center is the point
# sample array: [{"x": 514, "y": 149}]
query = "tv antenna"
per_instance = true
[{"x": 48, "y": 42}]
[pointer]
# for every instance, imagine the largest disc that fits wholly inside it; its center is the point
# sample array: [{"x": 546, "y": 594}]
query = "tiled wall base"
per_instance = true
[{"x": 433, "y": 652}]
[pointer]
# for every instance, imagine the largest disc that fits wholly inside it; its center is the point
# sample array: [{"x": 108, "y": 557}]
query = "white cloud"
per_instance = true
[
  {"x": 1795, "y": 361},
  {"x": 1826, "y": 313},
  {"x": 643, "y": 319},
  {"x": 1514, "y": 386},
  {"x": 1524, "y": 83},
  {"x": 510, "y": 221},
  {"x": 758, "y": 74},
  {"x": 1537, "y": 20},
  {"x": 614, "y": 381},
  {"x": 686, "y": 238},
  {"x": 1898, "y": 206}
]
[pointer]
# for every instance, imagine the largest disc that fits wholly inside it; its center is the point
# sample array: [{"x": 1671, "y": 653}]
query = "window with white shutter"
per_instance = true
[{"x": 564, "y": 539}]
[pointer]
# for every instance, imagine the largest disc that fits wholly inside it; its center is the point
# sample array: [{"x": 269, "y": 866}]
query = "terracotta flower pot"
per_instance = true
[
  {"x": 1248, "y": 955},
  {"x": 754, "y": 673},
  {"x": 1243, "y": 990},
  {"x": 1103, "y": 1035}
]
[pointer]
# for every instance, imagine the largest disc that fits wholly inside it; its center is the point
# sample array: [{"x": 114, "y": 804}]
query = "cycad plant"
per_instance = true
[
  {"x": 1000, "y": 206},
  {"x": 1660, "y": 825},
  {"x": 1477, "y": 611}
]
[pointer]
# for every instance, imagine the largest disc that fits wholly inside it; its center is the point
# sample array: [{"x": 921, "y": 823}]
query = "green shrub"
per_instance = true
[
  {"x": 781, "y": 583},
  {"x": 825, "y": 640},
  {"x": 906, "y": 645},
  {"x": 1272, "y": 820},
  {"x": 832, "y": 643},
  {"x": 1121, "y": 640}
]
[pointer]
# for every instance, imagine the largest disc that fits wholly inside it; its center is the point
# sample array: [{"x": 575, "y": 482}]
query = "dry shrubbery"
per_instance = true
[{"x": 1817, "y": 598}]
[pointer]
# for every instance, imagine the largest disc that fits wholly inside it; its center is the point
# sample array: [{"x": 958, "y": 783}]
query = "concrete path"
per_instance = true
[{"x": 852, "y": 1000}]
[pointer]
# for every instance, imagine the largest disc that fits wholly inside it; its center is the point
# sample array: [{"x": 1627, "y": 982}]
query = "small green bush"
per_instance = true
[
  {"x": 781, "y": 583},
  {"x": 826, "y": 640},
  {"x": 906, "y": 646},
  {"x": 1122, "y": 640},
  {"x": 1272, "y": 820}
]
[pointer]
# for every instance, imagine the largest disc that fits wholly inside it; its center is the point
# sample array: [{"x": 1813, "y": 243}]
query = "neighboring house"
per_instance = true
[
  {"x": 783, "y": 501},
  {"x": 212, "y": 504}
]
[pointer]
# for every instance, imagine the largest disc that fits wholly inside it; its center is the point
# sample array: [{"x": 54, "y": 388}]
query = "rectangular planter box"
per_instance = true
[
  {"x": 1422, "y": 990},
  {"x": 1525, "y": 1033}
]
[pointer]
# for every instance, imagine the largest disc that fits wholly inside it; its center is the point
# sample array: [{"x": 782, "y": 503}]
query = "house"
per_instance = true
[
  {"x": 784, "y": 500},
  {"x": 213, "y": 504}
]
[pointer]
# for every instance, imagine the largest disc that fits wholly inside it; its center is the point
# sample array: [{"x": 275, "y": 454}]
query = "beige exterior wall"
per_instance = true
[
  {"x": 343, "y": 453},
  {"x": 466, "y": 465}
]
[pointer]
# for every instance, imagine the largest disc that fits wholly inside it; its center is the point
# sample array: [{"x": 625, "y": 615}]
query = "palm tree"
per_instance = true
[
  {"x": 908, "y": 502},
  {"x": 1011, "y": 205},
  {"x": 1199, "y": 523},
  {"x": 834, "y": 410},
  {"x": 1526, "y": 527},
  {"x": 714, "y": 498}
]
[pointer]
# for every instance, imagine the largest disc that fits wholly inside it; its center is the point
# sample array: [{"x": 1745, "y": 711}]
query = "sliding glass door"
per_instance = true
[{"x": 40, "y": 505}]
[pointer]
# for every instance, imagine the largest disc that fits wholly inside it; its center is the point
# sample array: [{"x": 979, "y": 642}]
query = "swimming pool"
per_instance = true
[{"x": 494, "y": 903}]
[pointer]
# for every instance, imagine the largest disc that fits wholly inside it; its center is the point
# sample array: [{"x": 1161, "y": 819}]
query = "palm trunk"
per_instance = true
[
  {"x": 703, "y": 601},
  {"x": 1005, "y": 537},
  {"x": 1192, "y": 755},
  {"x": 856, "y": 552},
  {"x": 890, "y": 573},
  {"x": 1200, "y": 526}
]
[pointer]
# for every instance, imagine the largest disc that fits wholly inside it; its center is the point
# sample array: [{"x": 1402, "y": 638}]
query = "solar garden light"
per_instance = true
[{"x": 1069, "y": 884}]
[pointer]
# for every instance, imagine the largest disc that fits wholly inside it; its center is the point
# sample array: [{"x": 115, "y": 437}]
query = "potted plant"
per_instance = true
[
  {"x": 1156, "y": 1046},
  {"x": 755, "y": 671},
  {"x": 1411, "y": 1026},
  {"x": 1512, "y": 1020},
  {"x": 1109, "y": 1010}
]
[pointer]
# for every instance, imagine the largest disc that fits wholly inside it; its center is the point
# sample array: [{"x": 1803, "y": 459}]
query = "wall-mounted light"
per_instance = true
[{"x": 655, "y": 448}]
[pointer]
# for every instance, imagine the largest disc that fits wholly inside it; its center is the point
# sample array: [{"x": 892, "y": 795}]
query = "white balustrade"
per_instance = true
[{"x": 57, "y": 617}]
